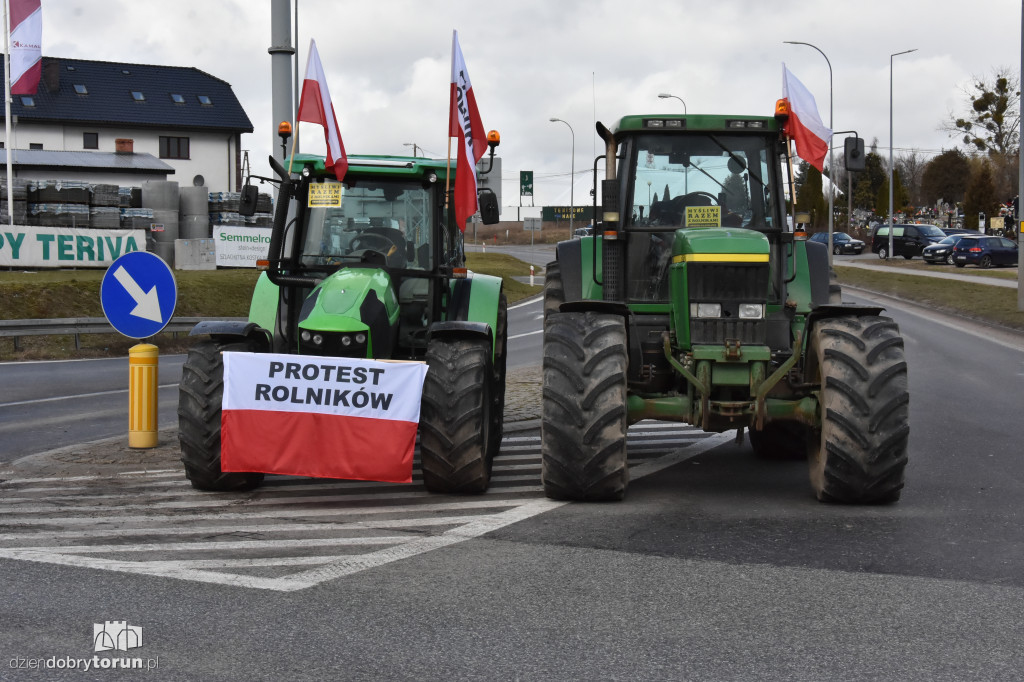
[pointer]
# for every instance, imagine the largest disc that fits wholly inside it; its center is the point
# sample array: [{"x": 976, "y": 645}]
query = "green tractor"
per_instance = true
[
  {"x": 696, "y": 301},
  {"x": 372, "y": 267}
]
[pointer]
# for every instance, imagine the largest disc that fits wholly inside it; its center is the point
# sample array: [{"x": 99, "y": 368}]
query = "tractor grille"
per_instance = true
[{"x": 730, "y": 285}]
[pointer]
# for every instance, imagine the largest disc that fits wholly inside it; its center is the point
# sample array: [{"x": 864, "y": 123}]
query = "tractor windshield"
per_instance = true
[
  {"x": 382, "y": 221},
  {"x": 702, "y": 180}
]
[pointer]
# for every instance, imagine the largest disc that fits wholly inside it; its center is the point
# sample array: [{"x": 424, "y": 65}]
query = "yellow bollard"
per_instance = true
[{"x": 143, "y": 363}]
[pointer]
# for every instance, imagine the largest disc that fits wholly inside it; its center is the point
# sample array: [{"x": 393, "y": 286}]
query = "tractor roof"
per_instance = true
[
  {"x": 413, "y": 167},
  {"x": 677, "y": 123}
]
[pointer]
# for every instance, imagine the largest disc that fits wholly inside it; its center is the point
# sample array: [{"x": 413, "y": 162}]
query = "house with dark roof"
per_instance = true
[{"x": 129, "y": 118}]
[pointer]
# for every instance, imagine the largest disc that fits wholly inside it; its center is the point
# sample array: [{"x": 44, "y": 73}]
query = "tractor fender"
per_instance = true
[
  {"x": 570, "y": 262},
  {"x": 460, "y": 329},
  {"x": 475, "y": 299},
  {"x": 228, "y": 329},
  {"x": 824, "y": 312}
]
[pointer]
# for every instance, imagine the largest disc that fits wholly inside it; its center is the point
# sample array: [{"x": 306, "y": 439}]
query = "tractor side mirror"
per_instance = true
[
  {"x": 247, "y": 200},
  {"x": 853, "y": 153},
  {"x": 489, "y": 212}
]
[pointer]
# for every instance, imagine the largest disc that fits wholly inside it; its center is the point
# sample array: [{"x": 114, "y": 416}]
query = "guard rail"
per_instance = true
[{"x": 86, "y": 325}]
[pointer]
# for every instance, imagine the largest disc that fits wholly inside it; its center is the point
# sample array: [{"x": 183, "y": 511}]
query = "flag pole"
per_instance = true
[
  {"x": 448, "y": 173},
  {"x": 9, "y": 152}
]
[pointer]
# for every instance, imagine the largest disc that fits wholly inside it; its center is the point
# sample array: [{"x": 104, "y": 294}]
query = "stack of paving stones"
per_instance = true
[
  {"x": 58, "y": 203},
  {"x": 223, "y": 209},
  {"x": 104, "y": 207},
  {"x": 264, "y": 216},
  {"x": 19, "y": 191}
]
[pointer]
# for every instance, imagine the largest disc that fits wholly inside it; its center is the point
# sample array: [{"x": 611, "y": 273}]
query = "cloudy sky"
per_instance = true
[{"x": 388, "y": 65}]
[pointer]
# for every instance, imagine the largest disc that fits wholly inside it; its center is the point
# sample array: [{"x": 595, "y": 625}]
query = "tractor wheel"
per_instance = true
[
  {"x": 455, "y": 416},
  {"x": 498, "y": 372},
  {"x": 554, "y": 292},
  {"x": 583, "y": 424},
  {"x": 780, "y": 440},
  {"x": 199, "y": 400},
  {"x": 860, "y": 451}
]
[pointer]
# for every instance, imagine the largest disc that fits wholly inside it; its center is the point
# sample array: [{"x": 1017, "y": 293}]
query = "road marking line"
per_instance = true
[{"x": 97, "y": 394}]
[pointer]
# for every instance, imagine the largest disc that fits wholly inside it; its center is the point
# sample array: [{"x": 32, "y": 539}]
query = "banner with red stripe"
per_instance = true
[{"x": 323, "y": 417}]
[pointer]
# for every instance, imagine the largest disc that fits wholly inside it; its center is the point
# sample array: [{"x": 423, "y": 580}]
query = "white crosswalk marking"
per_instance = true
[{"x": 292, "y": 533}]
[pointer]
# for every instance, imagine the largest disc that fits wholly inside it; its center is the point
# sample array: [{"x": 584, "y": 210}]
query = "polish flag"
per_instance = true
[
  {"x": 315, "y": 107},
  {"x": 464, "y": 123},
  {"x": 804, "y": 125},
  {"x": 324, "y": 417},
  {"x": 26, "y": 46}
]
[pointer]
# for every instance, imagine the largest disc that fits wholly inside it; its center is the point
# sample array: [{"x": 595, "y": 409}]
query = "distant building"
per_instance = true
[{"x": 172, "y": 117}]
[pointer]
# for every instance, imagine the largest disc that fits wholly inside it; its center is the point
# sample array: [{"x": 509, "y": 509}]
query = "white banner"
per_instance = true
[
  {"x": 66, "y": 247},
  {"x": 241, "y": 247}
]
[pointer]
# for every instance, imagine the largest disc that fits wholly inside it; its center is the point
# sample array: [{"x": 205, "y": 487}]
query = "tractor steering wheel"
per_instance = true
[{"x": 372, "y": 241}]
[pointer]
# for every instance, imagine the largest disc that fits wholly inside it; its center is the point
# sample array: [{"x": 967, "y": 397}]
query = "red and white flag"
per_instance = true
[
  {"x": 464, "y": 123},
  {"x": 325, "y": 417},
  {"x": 315, "y": 106},
  {"x": 804, "y": 125},
  {"x": 26, "y": 22}
]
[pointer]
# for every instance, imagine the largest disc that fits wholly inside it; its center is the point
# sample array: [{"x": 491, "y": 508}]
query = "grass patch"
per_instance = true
[
  {"x": 995, "y": 305},
  {"x": 904, "y": 264},
  {"x": 48, "y": 294}
]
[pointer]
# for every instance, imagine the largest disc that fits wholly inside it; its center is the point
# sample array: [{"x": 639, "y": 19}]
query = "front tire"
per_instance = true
[
  {"x": 498, "y": 372},
  {"x": 859, "y": 453},
  {"x": 199, "y": 406},
  {"x": 583, "y": 424},
  {"x": 554, "y": 291},
  {"x": 883, "y": 253},
  {"x": 949, "y": 259},
  {"x": 455, "y": 416}
]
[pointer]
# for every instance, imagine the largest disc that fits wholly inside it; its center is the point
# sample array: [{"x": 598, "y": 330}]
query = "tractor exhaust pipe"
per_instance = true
[{"x": 612, "y": 247}]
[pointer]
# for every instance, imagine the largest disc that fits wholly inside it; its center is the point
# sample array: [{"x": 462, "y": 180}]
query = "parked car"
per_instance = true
[
  {"x": 984, "y": 251},
  {"x": 841, "y": 242},
  {"x": 587, "y": 231},
  {"x": 941, "y": 252},
  {"x": 907, "y": 240},
  {"x": 956, "y": 230}
]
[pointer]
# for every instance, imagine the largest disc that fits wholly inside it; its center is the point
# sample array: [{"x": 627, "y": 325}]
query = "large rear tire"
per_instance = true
[
  {"x": 780, "y": 440},
  {"x": 860, "y": 452},
  {"x": 554, "y": 291},
  {"x": 583, "y": 425},
  {"x": 199, "y": 405},
  {"x": 455, "y": 416}
]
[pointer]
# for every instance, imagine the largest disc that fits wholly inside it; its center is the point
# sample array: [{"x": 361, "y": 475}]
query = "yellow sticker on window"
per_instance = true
[
  {"x": 703, "y": 216},
  {"x": 324, "y": 194}
]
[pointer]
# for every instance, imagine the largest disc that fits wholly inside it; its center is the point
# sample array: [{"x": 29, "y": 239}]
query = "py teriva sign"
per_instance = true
[
  {"x": 65, "y": 247},
  {"x": 138, "y": 294}
]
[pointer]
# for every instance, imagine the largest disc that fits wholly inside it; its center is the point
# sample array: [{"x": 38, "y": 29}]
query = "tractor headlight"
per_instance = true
[
  {"x": 360, "y": 338},
  {"x": 346, "y": 340},
  {"x": 318, "y": 340},
  {"x": 751, "y": 311},
  {"x": 705, "y": 309},
  {"x": 305, "y": 335}
]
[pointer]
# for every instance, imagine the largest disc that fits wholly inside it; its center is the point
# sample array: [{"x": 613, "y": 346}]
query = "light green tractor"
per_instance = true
[
  {"x": 697, "y": 301},
  {"x": 372, "y": 267}
]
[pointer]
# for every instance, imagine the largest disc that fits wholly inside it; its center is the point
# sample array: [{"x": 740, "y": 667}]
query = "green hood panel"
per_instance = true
[
  {"x": 337, "y": 300},
  {"x": 725, "y": 241}
]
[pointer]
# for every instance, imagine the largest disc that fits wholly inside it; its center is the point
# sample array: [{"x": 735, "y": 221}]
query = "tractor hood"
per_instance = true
[
  {"x": 720, "y": 244},
  {"x": 342, "y": 301}
]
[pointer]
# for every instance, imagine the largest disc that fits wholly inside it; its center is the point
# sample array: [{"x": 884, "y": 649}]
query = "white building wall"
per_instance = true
[{"x": 212, "y": 155}]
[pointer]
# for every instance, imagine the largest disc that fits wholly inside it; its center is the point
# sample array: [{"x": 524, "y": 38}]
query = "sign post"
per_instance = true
[{"x": 138, "y": 294}]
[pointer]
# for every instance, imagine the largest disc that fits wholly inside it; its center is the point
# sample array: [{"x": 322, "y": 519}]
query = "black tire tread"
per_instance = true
[
  {"x": 200, "y": 393},
  {"x": 455, "y": 420},
  {"x": 554, "y": 290},
  {"x": 583, "y": 425},
  {"x": 860, "y": 452}
]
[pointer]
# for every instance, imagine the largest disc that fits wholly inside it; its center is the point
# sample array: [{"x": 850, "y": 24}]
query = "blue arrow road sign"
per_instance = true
[{"x": 138, "y": 294}]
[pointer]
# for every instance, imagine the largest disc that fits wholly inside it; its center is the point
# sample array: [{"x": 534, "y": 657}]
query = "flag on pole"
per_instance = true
[
  {"x": 464, "y": 123},
  {"x": 315, "y": 106},
  {"x": 804, "y": 125},
  {"x": 26, "y": 24}
]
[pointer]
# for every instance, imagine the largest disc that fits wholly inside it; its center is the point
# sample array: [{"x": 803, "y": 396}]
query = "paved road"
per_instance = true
[{"x": 716, "y": 566}]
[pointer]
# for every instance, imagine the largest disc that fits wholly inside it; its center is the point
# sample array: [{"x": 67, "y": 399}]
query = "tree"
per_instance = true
[
  {"x": 945, "y": 177},
  {"x": 737, "y": 199},
  {"x": 911, "y": 169},
  {"x": 868, "y": 183},
  {"x": 810, "y": 199},
  {"x": 993, "y": 122},
  {"x": 665, "y": 196},
  {"x": 980, "y": 197}
]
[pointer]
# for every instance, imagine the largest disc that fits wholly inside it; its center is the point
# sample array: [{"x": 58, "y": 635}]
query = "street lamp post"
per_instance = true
[
  {"x": 414, "y": 146},
  {"x": 572, "y": 176},
  {"x": 831, "y": 165},
  {"x": 666, "y": 95},
  {"x": 889, "y": 254}
]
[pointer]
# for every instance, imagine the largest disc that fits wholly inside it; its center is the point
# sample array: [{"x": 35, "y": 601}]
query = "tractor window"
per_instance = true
[
  {"x": 379, "y": 221},
  {"x": 701, "y": 180}
]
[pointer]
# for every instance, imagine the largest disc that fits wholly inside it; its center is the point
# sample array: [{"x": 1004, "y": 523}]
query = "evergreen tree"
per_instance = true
[
  {"x": 811, "y": 199},
  {"x": 980, "y": 197},
  {"x": 945, "y": 177}
]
